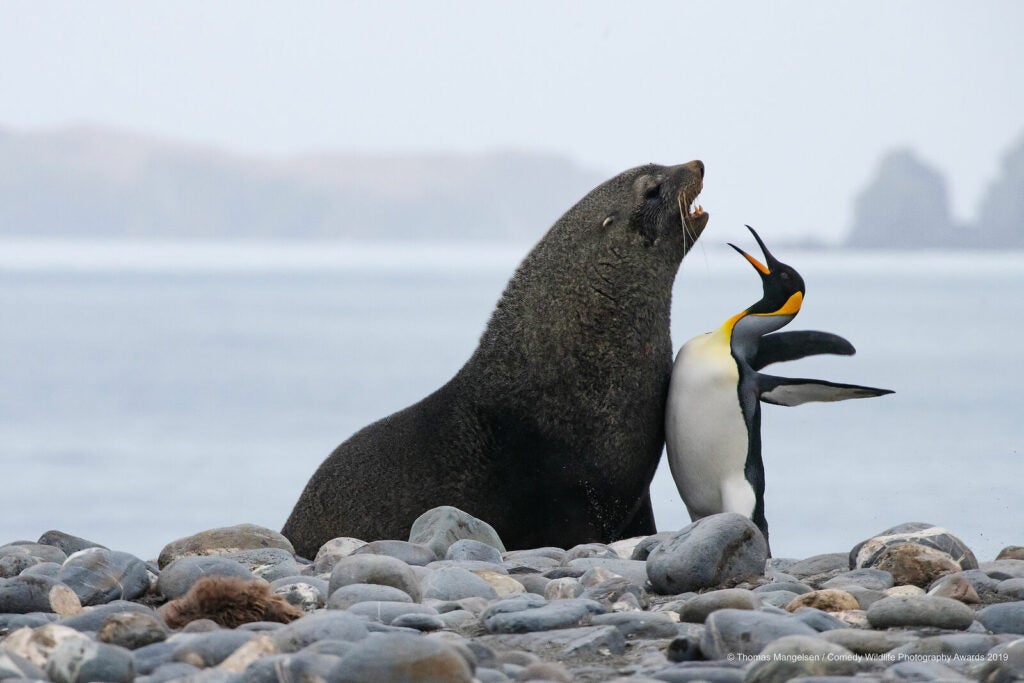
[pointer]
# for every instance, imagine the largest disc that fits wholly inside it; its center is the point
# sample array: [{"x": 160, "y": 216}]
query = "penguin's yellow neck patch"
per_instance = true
[{"x": 792, "y": 305}]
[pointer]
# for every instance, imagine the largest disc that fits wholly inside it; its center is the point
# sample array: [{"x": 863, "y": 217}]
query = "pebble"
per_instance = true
[
  {"x": 544, "y": 617},
  {"x": 639, "y": 624},
  {"x": 440, "y": 527},
  {"x": 1012, "y": 589},
  {"x": 1001, "y": 570},
  {"x": 827, "y": 600},
  {"x": 385, "y": 612},
  {"x": 39, "y": 551},
  {"x": 634, "y": 570},
  {"x": 733, "y": 631},
  {"x": 955, "y": 586},
  {"x": 268, "y": 564},
  {"x": 414, "y": 554},
  {"x": 332, "y": 551},
  {"x": 706, "y": 554},
  {"x": 132, "y": 630},
  {"x": 177, "y": 577},
  {"x": 330, "y": 624},
  {"x": 1007, "y": 617},
  {"x": 873, "y": 579},
  {"x": 1011, "y": 552},
  {"x": 697, "y": 609},
  {"x": 379, "y": 569},
  {"x": 77, "y": 660},
  {"x": 354, "y": 593},
  {"x": 203, "y": 650},
  {"x": 470, "y": 549},
  {"x": 792, "y": 657},
  {"x": 223, "y": 540},
  {"x": 868, "y": 642},
  {"x": 24, "y": 594},
  {"x": 403, "y": 658},
  {"x": 454, "y": 583},
  {"x": 818, "y": 569},
  {"x": 503, "y": 584},
  {"x": 66, "y": 543},
  {"x": 92, "y": 618},
  {"x": 923, "y": 610},
  {"x": 308, "y": 593},
  {"x": 99, "y": 575}
]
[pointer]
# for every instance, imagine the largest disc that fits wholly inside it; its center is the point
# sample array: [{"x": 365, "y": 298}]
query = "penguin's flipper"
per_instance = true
[
  {"x": 787, "y": 391},
  {"x": 779, "y": 347}
]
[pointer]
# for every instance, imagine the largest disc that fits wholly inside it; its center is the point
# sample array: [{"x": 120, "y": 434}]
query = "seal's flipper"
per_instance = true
[
  {"x": 780, "y": 347},
  {"x": 786, "y": 391}
]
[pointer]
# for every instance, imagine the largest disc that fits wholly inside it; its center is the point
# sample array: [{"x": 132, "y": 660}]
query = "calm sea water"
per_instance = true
[{"x": 151, "y": 391}]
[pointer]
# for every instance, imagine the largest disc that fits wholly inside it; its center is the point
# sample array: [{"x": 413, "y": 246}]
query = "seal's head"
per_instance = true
[{"x": 648, "y": 205}]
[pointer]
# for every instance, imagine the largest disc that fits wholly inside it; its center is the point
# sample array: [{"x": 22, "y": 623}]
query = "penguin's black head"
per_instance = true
[{"x": 783, "y": 286}]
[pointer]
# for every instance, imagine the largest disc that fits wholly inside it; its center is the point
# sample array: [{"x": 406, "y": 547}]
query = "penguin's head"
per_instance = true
[{"x": 783, "y": 286}]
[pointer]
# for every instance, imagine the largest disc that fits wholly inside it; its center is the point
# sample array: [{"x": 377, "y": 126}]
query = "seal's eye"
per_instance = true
[
  {"x": 649, "y": 187},
  {"x": 654, "y": 191}
]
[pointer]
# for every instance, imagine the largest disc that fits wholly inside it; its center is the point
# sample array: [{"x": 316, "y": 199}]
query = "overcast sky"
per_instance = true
[{"x": 790, "y": 104}]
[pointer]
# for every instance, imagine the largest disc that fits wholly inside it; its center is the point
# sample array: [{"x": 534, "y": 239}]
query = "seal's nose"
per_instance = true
[{"x": 699, "y": 165}]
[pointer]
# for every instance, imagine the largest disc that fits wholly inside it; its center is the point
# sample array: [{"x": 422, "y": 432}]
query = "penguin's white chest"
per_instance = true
[{"x": 705, "y": 432}]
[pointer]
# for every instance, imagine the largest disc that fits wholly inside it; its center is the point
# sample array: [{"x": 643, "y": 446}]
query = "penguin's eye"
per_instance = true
[
  {"x": 784, "y": 275},
  {"x": 608, "y": 220}
]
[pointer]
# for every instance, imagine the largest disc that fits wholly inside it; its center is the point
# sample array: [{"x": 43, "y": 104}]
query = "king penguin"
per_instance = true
[{"x": 713, "y": 413}]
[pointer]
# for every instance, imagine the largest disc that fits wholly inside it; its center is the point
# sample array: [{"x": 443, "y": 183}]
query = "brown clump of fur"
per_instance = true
[{"x": 229, "y": 601}]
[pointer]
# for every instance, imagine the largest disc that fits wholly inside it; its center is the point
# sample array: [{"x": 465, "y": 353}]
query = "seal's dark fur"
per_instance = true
[{"x": 553, "y": 429}]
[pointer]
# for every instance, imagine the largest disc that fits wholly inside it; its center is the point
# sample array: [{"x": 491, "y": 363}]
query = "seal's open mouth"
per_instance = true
[{"x": 687, "y": 196}]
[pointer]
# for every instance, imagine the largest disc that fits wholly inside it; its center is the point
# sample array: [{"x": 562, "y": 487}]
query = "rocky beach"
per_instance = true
[{"x": 450, "y": 603}]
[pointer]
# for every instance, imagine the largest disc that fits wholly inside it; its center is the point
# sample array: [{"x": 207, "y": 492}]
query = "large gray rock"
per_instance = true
[
  {"x": 706, "y": 554},
  {"x": 920, "y": 610},
  {"x": 99, "y": 575},
  {"x": 379, "y": 569},
  {"x": 403, "y": 658},
  {"x": 440, "y": 527},
  {"x": 733, "y": 631},
  {"x": 224, "y": 540}
]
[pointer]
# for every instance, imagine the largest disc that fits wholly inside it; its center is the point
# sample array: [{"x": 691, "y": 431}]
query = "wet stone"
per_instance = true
[
  {"x": 706, "y": 554},
  {"x": 99, "y": 575},
  {"x": 224, "y": 540},
  {"x": 415, "y": 554},
  {"x": 924, "y": 610},
  {"x": 377, "y": 569},
  {"x": 178, "y": 576}
]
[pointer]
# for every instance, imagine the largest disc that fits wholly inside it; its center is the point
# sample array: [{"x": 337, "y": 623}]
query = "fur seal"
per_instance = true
[{"x": 553, "y": 429}]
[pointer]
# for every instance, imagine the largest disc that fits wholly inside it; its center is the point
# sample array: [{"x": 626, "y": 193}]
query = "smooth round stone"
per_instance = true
[
  {"x": 25, "y": 594},
  {"x": 67, "y": 543},
  {"x": 210, "y": 648},
  {"x": 922, "y": 610},
  {"x": 1011, "y": 552},
  {"x": 867, "y": 642},
  {"x": 819, "y": 620},
  {"x": 526, "y": 564},
  {"x": 962, "y": 644},
  {"x": 454, "y": 583},
  {"x": 12, "y": 622},
  {"x": 791, "y": 657},
  {"x": 904, "y": 591},
  {"x": 149, "y": 658},
  {"x": 560, "y": 589},
  {"x": 354, "y": 593},
  {"x": 696, "y": 609},
  {"x": 92, "y": 618},
  {"x": 15, "y": 666},
  {"x": 330, "y": 624},
  {"x": 379, "y": 569},
  {"x": 1007, "y": 617},
  {"x": 440, "y": 527},
  {"x": 746, "y": 632},
  {"x": 268, "y": 564},
  {"x": 817, "y": 569},
  {"x": 634, "y": 570},
  {"x": 707, "y": 553},
  {"x": 224, "y": 540},
  {"x": 503, "y": 584},
  {"x": 303, "y": 666},
  {"x": 827, "y": 600},
  {"x": 42, "y": 552},
  {"x": 333, "y": 550},
  {"x": 99, "y": 575},
  {"x": 308, "y": 593},
  {"x": 177, "y": 577},
  {"x": 874, "y": 579},
  {"x": 411, "y": 553},
  {"x": 1000, "y": 570},
  {"x": 420, "y": 622},
  {"x": 77, "y": 660},
  {"x": 1012, "y": 589},
  {"x": 615, "y": 590},
  {"x": 778, "y": 598},
  {"x": 639, "y": 624},
  {"x": 865, "y": 597},
  {"x": 867, "y": 553},
  {"x": 643, "y": 549},
  {"x": 791, "y": 586},
  {"x": 404, "y": 658},
  {"x": 50, "y": 569},
  {"x": 553, "y": 615},
  {"x": 132, "y": 630},
  {"x": 589, "y": 550},
  {"x": 915, "y": 564},
  {"x": 533, "y": 583},
  {"x": 957, "y": 587},
  {"x": 12, "y": 565},
  {"x": 468, "y": 565},
  {"x": 386, "y": 612},
  {"x": 470, "y": 549},
  {"x": 457, "y": 620}
]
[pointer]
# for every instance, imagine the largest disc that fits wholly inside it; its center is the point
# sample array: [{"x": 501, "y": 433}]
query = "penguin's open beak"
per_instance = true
[
  {"x": 769, "y": 259},
  {"x": 761, "y": 268}
]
